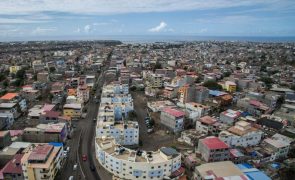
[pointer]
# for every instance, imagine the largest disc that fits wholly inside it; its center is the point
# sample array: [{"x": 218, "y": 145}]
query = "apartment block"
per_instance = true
[
  {"x": 173, "y": 119},
  {"x": 213, "y": 149}
]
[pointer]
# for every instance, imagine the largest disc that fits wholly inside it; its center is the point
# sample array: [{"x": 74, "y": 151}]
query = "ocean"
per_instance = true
[{"x": 161, "y": 38}]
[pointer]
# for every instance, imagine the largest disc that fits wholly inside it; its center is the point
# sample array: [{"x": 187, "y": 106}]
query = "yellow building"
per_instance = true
[
  {"x": 14, "y": 69},
  {"x": 72, "y": 110},
  {"x": 41, "y": 161},
  {"x": 230, "y": 86}
]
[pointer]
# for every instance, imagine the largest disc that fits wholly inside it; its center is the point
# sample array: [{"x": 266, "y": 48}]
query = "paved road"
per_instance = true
[{"x": 84, "y": 144}]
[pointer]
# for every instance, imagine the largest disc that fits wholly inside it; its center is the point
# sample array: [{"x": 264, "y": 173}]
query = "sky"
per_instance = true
[{"x": 37, "y": 19}]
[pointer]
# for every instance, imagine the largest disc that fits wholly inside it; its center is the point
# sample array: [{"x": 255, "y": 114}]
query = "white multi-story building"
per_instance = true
[
  {"x": 173, "y": 119},
  {"x": 156, "y": 80},
  {"x": 129, "y": 164},
  {"x": 209, "y": 125},
  {"x": 274, "y": 148},
  {"x": 242, "y": 134},
  {"x": 213, "y": 149},
  {"x": 229, "y": 116},
  {"x": 124, "y": 133},
  {"x": 114, "y": 108},
  {"x": 195, "y": 110},
  {"x": 83, "y": 94}
]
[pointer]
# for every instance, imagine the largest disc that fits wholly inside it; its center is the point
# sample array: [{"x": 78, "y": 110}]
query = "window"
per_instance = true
[{"x": 159, "y": 166}]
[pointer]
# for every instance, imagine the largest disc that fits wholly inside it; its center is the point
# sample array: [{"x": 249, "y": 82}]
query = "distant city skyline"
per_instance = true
[{"x": 46, "y": 19}]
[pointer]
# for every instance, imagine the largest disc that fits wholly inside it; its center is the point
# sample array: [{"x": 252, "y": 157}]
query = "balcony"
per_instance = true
[
  {"x": 45, "y": 171},
  {"x": 45, "y": 177}
]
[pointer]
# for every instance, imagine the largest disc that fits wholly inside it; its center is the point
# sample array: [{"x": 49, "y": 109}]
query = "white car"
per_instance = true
[{"x": 75, "y": 167}]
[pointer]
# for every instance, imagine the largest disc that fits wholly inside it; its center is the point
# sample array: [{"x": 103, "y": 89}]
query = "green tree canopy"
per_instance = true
[{"x": 212, "y": 85}]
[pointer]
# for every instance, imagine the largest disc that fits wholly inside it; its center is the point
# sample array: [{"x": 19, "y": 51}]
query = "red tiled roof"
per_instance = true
[
  {"x": 40, "y": 152},
  {"x": 178, "y": 172},
  {"x": 174, "y": 112},
  {"x": 15, "y": 132},
  {"x": 9, "y": 96},
  {"x": 208, "y": 120},
  {"x": 14, "y": 165},
  {"x": 255, "y": 103},
  {"x": 3, "y": 133},
  {"x": 214, "y": 143},
  {"x": 52, "y": 114},
  {"x": 48, "y": 107}
]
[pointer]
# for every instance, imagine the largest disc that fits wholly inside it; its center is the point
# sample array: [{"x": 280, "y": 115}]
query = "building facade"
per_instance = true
[{"x": 213, "y": 149}]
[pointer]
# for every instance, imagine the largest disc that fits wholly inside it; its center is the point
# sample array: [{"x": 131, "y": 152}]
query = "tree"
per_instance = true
[
  {"x": 132, "y": 88},
  {"x": 267, "y": 81},
  {"x": 212, "y": 85},
  {"x": 50, "y": 97},
  {"x": 158, "y": 65},
  {"x": 226, "y": 74},
  {"x": 52, "y": 69},
  {"x": 18, "y": 82},
  {"x": 5, "y": 83},
  {"x": 131, "y": 115},
  {"x": 12, "y": 75},
  {"x": 2, "y": 76},
  {"x": 20, "y": 74},
  {"x": 35, "y": 77}
]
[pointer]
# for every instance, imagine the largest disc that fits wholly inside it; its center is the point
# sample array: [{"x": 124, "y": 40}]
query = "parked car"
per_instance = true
[{"x": 150, "y": 130}]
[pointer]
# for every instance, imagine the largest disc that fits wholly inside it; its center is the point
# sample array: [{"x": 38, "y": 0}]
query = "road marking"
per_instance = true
[{"x": 78, "y": 155}]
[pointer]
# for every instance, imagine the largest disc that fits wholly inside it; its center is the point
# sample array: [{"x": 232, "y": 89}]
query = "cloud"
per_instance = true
[
  {"x": 78, "y": 30},
  {"x": 87, "y": 28},
  {"x": 40, "y": 30},
  {"x": 159, "y": 28},
  {"x": 203, "y": 30},
  {"x": 14, "y": 7},
  {"x": 18, "y": 21},
  {"x": 101, "y": 24}
]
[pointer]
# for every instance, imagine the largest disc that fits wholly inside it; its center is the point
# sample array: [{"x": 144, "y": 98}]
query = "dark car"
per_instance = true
[{"x": 92, "y": 167}]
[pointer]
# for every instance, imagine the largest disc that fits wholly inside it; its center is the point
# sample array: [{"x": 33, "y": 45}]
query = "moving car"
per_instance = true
[
  {"x": 84, "y": 157},
  {"x": 92, "y": 168}
]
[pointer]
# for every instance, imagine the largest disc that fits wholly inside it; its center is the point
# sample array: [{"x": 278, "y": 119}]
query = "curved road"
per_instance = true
[{"x": 85, "y": 144}]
